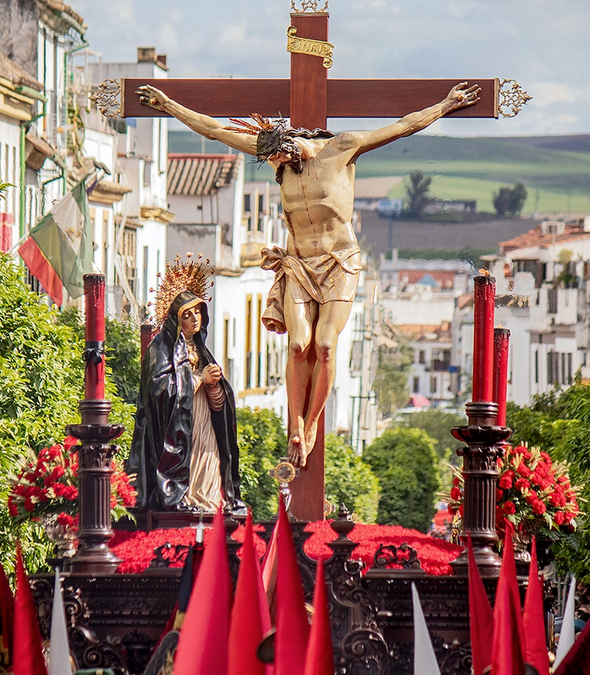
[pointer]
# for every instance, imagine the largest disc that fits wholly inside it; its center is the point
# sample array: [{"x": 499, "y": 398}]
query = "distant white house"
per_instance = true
[
  {"x": 130, "y": 209},
  {"x": 420, "y": 299},
  {"x": 52, "y": 73},
  {"x": 36, "y": 39},
  {"x": 543, "y": 292}
]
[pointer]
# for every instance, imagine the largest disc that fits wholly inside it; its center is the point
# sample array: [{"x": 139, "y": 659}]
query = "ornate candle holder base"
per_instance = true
[
  {"x": 94, "y": 488},
  {"x": 485, "y": 444}
]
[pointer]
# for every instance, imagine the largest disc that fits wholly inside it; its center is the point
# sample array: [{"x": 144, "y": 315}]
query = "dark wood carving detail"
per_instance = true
[
  {"x": 390, "y": 554},
  {"x": 115, "y": 620},
  {"x": 363, "y": 651},
  {"x": 137, "y": 648},
  {"x": 457, "y": 660}
]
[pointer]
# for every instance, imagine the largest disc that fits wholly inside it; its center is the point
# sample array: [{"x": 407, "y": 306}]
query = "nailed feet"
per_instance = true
[
  {"x": 310, "y": 436},
  {"x": 297, "y": 452}
]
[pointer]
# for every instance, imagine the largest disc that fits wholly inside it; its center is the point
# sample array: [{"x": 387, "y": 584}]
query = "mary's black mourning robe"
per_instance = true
[{"x": 162, "y": 441}]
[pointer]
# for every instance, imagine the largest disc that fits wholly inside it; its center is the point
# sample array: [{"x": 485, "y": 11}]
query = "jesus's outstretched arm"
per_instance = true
[
  {"x": 202, "y": 124},
  {"x": 459, "y": 97}
]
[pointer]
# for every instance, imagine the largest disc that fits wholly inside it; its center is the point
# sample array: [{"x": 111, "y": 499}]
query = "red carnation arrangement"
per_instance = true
[
  {"x": 532, "y": 493},
  {"x": 49, "y": 485}
]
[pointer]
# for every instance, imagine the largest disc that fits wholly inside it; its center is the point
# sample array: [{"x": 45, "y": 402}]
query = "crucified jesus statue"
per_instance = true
[{"x": 317, "y": 275}]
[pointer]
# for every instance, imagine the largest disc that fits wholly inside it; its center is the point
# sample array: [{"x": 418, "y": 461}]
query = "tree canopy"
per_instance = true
[
  {"x": 349, "y": 480},
  {"x": 417, "y": 188},
  {"x": 394, "y": 358},
  {"x": 405, "y": 462},
  {"x": 262, "y": 440},
  {"x": 509, "y": 201},
  {"x": 437, "y": 424},
  {"x": 122, "y": 346}
]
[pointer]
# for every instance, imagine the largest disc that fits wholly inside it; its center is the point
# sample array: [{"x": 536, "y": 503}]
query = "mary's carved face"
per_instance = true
[{"x": 190, "y": 321}]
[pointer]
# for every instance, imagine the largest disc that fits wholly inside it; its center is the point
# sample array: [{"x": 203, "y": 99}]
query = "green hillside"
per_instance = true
[
  {"x": 540, "y": 200},
  {"x": 555, "y": 169}
]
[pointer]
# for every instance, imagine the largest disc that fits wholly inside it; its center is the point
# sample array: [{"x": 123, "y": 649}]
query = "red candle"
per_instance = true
[
  {"x": 501, "y": 344},
  {"x": 94, "y": 295},
  {"x": 484, "y": 294}
]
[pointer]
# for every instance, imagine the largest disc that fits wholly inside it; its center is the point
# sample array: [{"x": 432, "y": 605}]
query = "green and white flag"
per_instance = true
[{"x": 59, "y": 248}]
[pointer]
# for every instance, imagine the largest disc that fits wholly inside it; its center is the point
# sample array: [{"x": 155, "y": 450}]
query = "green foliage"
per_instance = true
[
  {"x": 501, "y": 200},
  {"x": 123, "y": 357},
  {"x": 510, "y": 201},
  {"x": 35, "y": 546},
  {"x": 349, "y": 480},
  {"x": 417, "y": 188},
  {"x": 559, "y": 423},
  {"x": 262, "y": 441},
  {"x": 41, "y": 383},
  {"x": 3, "y": 188},
  {"x": 41, "y": 370},
  {"x": 461, "y": 163},
  {"x": 437, "y": 424},
  {"x": 405, "y": 462},
  {"x": 122, "y": 350},
  {"x": 518, "y": 196}
]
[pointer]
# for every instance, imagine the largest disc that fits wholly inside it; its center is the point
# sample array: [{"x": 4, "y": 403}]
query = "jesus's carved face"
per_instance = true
[
  {"x": 190, "y": 321},
  {"x": 281, "y": 157}
]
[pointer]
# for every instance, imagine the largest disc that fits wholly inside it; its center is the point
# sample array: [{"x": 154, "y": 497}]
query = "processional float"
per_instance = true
[{"x": 116, "y": 619}]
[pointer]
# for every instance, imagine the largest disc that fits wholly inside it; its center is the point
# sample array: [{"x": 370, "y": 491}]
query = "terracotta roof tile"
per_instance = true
[
  {"x": 195, "y": 174},
  {"x": 58, "y": 6},
  {"x": 535, "y": 237},
  {"x": 443, "y": 278}
]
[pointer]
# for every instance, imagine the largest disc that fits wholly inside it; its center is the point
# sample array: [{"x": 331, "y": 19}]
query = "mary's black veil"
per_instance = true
[{"x": 162, "y": 441}]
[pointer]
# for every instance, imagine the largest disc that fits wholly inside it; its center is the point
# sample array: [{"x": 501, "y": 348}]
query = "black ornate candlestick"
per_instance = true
[
  {"x": 96, "y": 451},
  {"x": 484, "y": 442}
]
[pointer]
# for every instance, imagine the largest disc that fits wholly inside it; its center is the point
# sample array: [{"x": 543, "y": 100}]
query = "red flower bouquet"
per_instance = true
[
  {"x": 533, "y": 494},
  {"x": 48, "y": 485}
]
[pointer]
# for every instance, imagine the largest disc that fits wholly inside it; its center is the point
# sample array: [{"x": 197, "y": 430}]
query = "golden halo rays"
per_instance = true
[{"x": 193, "y": 276}]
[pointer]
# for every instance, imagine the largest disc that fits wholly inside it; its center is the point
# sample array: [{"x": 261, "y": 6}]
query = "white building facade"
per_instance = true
[
  {"x": 542, "y": 298},
  {"x": 420, "y": 298}
]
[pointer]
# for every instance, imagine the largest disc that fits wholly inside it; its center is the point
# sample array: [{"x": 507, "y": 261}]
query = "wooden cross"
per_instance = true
[{"x": 309, "y": 98}]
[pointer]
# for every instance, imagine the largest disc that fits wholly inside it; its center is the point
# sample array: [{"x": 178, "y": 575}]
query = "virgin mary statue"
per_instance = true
[{"x": 184, "y": 451}]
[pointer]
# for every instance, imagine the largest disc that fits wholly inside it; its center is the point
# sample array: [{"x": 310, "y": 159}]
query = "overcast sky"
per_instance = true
[{"x": 544, "y": 44}]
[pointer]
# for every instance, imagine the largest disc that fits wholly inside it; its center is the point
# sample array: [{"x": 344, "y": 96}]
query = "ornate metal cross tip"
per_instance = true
[
  {"x": 319, "y": 48},
  {"x": 108, "y": 98},
  {"x": 512, "y": 99},
  {"x": 302, "y": 6}
]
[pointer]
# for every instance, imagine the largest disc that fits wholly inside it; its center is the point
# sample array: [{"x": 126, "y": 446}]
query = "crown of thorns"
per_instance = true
[{"x": 274, "y": 135}]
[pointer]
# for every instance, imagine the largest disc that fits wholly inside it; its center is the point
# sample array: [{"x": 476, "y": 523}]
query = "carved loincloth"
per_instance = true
[{"x": 321, "y": 278}]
